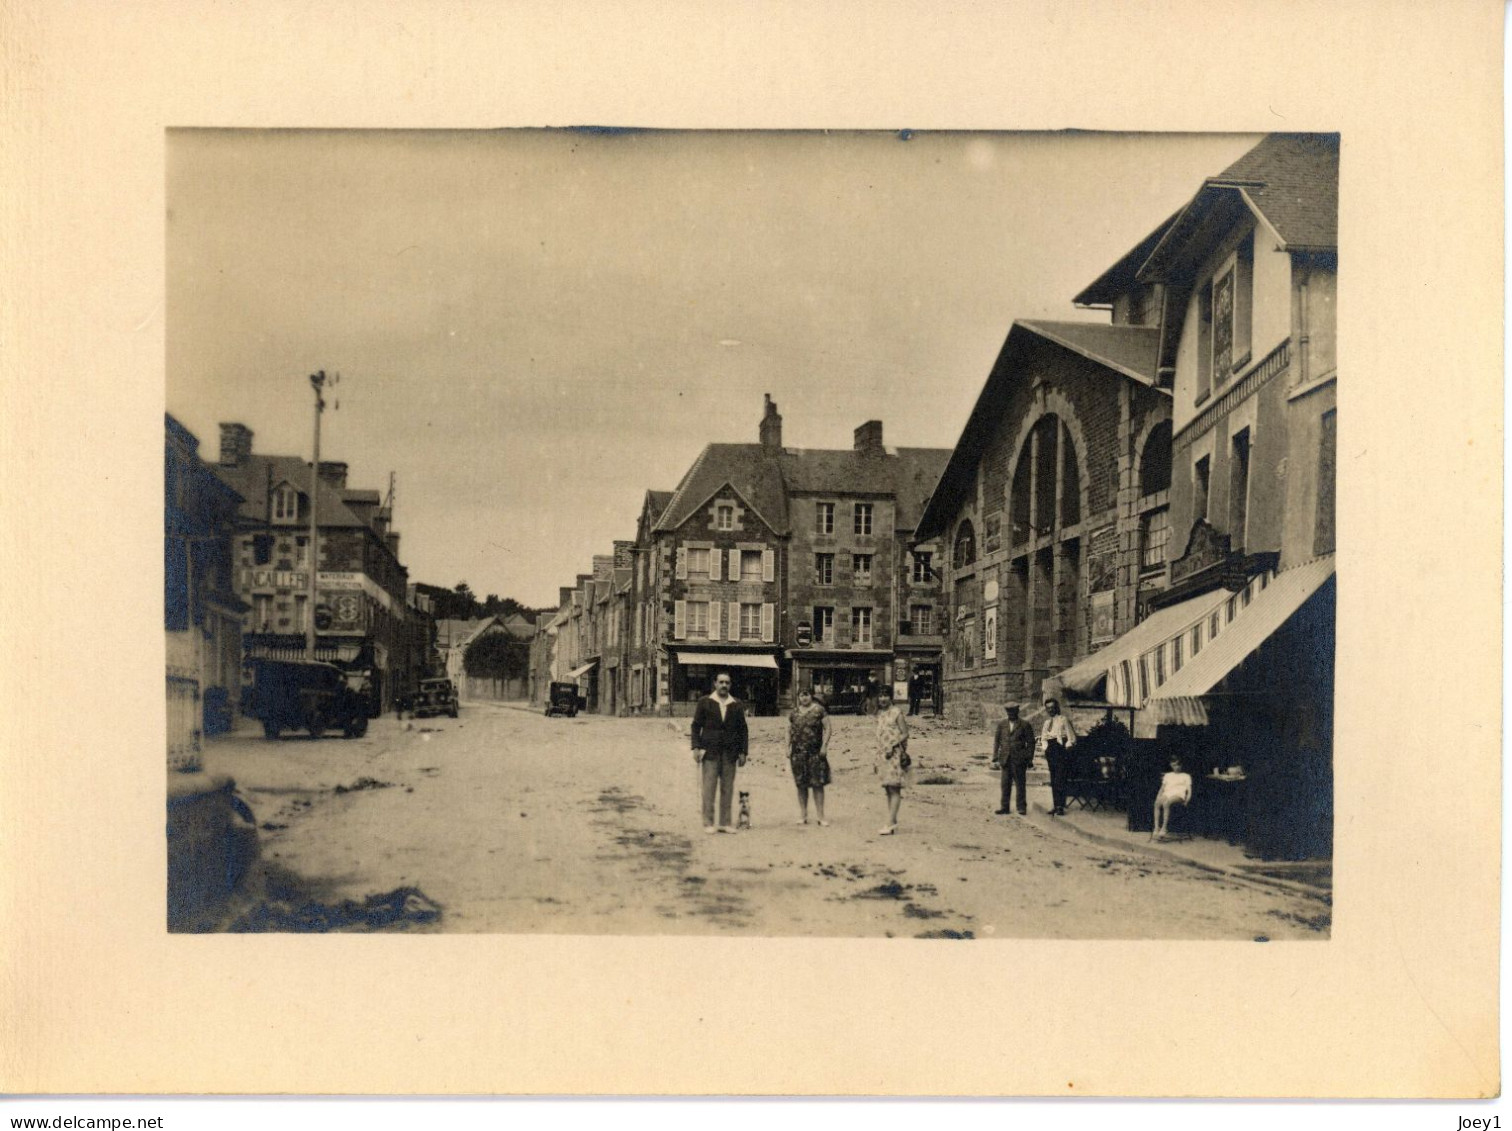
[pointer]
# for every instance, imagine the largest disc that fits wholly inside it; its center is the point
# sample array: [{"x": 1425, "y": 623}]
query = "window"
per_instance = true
[
  {"x": 301, "y": 603},
  {"x": 301, "y": 552},
  {"x": 285, "y": 504},
  {"x": 1223, "y": 326},
  {"x": 750, "y": 622},
  {"x": 1154, "y": 533},
  {"x": 262, "y": 612},
  {"x": 861, "y": 568},
  {"x": 1239, "y": 461},
  {"x": 1200, "y": 475},
  {"x": 824, "y": 518},
  {"x": 1155, "y": 460},
  {"x": 1204, "y": 342},
  {"x": 824, "y": 622},
  {"x": 1323, "y": 532},
  {"x": 724, "y": 517},
  {"x": 698, "y": 562},
  {"x": 262, "y": 549},
  {"x": 923, "y": 574},
  {"x": 921, "y": 617},
  {"x": 698, "y": 618},
  {"x": 863, "y": 518},
  {"x": 861, "y": 625},
  {"x": 824, "y": 569},
  {"x": 750, "y": 565},
  {"x": 965, "y": 545}
]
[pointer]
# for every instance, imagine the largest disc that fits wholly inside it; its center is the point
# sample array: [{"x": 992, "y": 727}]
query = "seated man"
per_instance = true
[{"x": 1175, "y": 789}]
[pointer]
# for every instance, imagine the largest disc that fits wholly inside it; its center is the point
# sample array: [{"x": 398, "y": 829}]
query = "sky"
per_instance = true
[{"x": 534, "y": 327}]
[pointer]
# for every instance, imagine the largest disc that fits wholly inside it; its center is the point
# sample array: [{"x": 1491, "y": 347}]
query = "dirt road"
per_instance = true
[{"x": 506, "y": 821}]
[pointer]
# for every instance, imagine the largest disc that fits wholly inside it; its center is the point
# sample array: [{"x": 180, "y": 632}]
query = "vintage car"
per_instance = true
[
  {"x": 563, "y": 699},
  {"x": 435, "y": 697},
  {"x": 309, "y": 695}
]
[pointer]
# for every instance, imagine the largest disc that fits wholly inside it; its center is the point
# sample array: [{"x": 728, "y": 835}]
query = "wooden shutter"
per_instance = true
[
  {"x": 842, "y": 628},
  {"x": 734, "y": 574},
  {"x": 715, "y": 560},
  {"x": 732, "y": 628},
  {"x": 682, "y": 564},
  {"x": 679, "y": 619},
  {"x": 768, "y": 622},
  {"x": 768, "y": 566}
]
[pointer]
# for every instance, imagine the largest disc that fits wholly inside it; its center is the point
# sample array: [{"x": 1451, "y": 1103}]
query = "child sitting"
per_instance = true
[{"x": 1175, "y": 789}]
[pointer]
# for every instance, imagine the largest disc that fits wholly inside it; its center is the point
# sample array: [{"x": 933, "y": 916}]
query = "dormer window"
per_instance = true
[{"x": 285, "y": 504}]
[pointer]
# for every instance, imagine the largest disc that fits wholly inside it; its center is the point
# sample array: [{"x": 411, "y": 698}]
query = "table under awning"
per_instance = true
[
  {"x": 728, "y": 659},
  {"x": 576, "y": 673},
  {"x": 1178, "y": 701},
  {"x": 1110, "y": 675}
]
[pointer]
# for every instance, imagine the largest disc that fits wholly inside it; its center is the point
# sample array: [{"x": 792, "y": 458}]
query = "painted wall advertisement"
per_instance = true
[{"x": 1102, "y": 617}]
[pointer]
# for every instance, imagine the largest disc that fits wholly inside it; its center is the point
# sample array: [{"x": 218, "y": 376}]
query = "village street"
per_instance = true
[{"x": 507, "y": 821}]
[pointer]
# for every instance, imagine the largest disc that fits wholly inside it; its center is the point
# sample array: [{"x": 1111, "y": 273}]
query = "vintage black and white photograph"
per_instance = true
[{"x": 879, "y": 534}]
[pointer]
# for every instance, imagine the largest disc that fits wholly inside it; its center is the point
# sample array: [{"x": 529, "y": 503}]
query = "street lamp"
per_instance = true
[{"x": 317, "y": 383}]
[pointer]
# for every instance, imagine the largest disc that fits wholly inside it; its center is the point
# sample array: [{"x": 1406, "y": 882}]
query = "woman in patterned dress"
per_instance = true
[
  {"x": 808, "y": 753},
  {"x": 892, "y": 753}
]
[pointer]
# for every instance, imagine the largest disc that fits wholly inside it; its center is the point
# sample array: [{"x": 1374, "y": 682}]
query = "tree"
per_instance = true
[{"x": 496, "y": 655}]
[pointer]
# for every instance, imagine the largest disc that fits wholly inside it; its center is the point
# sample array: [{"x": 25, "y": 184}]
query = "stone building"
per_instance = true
[
  {"x": 788, "y": 567},
  {"x": 1235, "y": 661},
  {"x": 1052, "y": 511},
  {"x": 201, "y": 610},
  {"x": 362, "y": 589}
]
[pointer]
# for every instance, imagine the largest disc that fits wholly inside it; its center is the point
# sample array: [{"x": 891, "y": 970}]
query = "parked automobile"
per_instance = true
[
  {"x": 435, "y": 697},
  {"x": 309, "y": 695},
  {"x": 563, "y": 699}
]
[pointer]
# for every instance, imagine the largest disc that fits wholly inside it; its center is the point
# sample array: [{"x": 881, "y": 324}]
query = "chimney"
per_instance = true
[
  {"x": 869, "y": 439},
  {"x": 624, "y": 557},
  {"x": 236, "y": 444},
  {"x": 564, "y": 596},
  {"x": 603, "y": 566},
  {"x": 333, "y": 473},
  {"x": 771, "y": 426}
]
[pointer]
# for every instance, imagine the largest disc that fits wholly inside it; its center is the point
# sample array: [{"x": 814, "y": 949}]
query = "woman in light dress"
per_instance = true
[{"x": 892, "y": 756}]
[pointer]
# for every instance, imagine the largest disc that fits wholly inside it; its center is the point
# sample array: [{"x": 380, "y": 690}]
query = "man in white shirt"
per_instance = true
[{"x": 1057, "y": 736}]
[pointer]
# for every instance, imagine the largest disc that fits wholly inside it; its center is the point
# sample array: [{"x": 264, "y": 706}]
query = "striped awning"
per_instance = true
[
  {"x": 1110, "y": 675},
  {"x": 1178, "y": 700}
]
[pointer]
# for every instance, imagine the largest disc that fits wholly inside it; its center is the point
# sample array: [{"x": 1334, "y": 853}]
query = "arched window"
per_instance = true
[
  {"x": 965, "y": 545},
  {"x": 1155, "y": 460},
  {"x": 1042, "y": 463}
]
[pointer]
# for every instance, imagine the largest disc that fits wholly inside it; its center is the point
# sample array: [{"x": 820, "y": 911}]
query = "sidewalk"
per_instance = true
[{"x": 1110, "y": 828}]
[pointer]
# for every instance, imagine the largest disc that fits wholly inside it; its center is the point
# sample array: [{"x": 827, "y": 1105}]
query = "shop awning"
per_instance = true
[
  {"x": 727, "y": 659},
  {"x": 1178, "y": 700},
  {"x": 1108, "y": 675},
  {"x": 588, "y": 667}
]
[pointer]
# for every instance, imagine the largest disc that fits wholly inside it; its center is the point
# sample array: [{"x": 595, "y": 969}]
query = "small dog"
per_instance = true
[{"x": 743, "y": 821}]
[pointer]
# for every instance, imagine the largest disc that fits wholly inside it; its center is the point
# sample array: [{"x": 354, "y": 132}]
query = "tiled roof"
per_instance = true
[
  {"x": 1294, "y": 180},
  {"x": 1128, "y": 351},
  {"x": 821, "y": 470},
  {"x": 749, "y": 468},
  {"x": 658, "y": 501},
  {"x": 256, "y": 477},
  {"x": 1131, "y": 350},
  {"x": 916, "y": 473},
  {"x": 1290, "y": 180}
]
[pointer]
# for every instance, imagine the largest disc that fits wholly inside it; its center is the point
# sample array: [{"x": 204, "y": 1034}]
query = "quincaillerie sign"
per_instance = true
[{"x": 275, "y": 578}]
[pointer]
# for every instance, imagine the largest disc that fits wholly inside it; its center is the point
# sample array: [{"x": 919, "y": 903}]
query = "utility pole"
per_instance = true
[{"x": 317, "y": 382}]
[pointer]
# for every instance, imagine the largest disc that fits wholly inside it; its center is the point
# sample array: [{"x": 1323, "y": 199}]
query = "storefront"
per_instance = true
[
  {"x": 848, "y": 680},
  {"x": 753, "y": 678}
]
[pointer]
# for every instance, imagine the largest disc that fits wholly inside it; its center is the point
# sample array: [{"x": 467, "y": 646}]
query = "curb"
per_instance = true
[{"x": 1307, "y": 890}]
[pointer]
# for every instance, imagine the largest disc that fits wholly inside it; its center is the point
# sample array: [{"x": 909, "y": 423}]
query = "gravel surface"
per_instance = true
[{"x": 506, "y": 821}]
